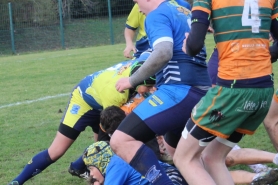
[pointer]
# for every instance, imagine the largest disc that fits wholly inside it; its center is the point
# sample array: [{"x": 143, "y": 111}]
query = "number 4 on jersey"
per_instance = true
[{"x": 254, "y": 21}]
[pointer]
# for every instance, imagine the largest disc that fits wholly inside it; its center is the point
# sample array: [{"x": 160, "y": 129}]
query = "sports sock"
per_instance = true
[
  {"x": 236, "y": 147},
  {"x": 275, "y": 159},
  {"x": 146, "y": 163},
  {"x": 78, "y": 164},
  {"x": 36, "y": 165},
  {"x": 262, "y": 174},
  {"x": 257, "y": 168},
  {"x": 256, "y": 176}
]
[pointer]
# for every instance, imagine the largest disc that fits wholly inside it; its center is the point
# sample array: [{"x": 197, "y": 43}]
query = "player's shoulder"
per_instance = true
[{"x": 164, "y": 8}]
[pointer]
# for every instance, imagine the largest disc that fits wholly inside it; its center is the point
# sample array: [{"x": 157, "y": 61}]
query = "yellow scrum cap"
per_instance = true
[{"x": 98, "y": 155}]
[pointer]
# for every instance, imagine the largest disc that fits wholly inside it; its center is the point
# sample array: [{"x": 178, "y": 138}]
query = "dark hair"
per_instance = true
[{"x": 111, "y": 117}]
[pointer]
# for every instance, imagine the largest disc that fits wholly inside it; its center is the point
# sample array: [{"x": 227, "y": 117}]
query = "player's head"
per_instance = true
[
  {"x": 110, "y": 119},
  {"x": 97, "y": 157},
  {"x": 144, "y": 7}
]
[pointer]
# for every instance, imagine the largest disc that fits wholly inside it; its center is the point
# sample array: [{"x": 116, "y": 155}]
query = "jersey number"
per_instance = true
[{"x": 254, "y": 21}]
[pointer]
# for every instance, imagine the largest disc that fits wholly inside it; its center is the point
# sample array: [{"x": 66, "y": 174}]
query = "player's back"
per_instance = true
[
  {"x": 170, "y": 22},
  {"x": 98, "y": 89},
  {"x": 241, "y": 33}
]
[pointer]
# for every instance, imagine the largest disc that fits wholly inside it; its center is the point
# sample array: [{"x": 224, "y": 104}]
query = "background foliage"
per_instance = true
[{"x": 84, "y": 23}]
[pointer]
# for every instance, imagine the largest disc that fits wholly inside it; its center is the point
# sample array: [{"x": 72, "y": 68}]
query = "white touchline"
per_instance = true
[{"x": 33, "y": 101}]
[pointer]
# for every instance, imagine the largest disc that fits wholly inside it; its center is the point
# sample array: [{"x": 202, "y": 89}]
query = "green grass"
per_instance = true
[{"x": 27, "y": 128}]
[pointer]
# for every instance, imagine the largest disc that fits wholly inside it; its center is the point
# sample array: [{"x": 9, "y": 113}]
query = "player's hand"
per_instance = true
[
  {"x": 184, "y": 42},
  {"x": 123, "y": 84},
  {"x": 128, "y": 50},
  {"x": 270, "y": 38},
  {"x": 210, "y": 29}
]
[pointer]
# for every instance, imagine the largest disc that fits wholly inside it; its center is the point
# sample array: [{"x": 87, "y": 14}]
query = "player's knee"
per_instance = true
[
  {"x": 116, "y": 141},
  {"x": 270, "y": 123},
  {"x": 208, "y": 160},
  {"x": 229, "y": 161}
]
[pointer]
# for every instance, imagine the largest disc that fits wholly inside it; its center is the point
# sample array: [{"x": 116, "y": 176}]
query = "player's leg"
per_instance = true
[
  {"x": 249, "y": 156},
  {"x": 268, "y": 177},
  {"x": 210, "y": 116},
  {"x": 62, "y": 141},
  {"x": 187, "y": 158},
  {"x": 271, "y": 121},
  {"x": 242, "y": 177},
  {"x": 128, "y": 143},
  {"x": 214, "y": 161},
  {"x": 91, "y": 118},
  {"x": 171, "y": 140},
  {"x": 165, "y": 110},
  {"x": 77, "y": 167},
  {"x": 44, "y": 158},
  {"x": 245, "y": 177}
]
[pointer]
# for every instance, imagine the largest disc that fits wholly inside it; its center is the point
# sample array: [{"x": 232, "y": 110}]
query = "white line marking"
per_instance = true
[{"x": 32, "y": 101}]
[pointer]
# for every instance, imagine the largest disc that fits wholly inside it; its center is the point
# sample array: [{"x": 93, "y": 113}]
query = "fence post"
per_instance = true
[
  {"x": 110, "y": 23},
  {"x": 61, "y": 24},
  {"x": 11, "y": 27}
]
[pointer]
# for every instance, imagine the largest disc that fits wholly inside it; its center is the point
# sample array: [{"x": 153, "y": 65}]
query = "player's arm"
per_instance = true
[
  {"x": 274, "y": 33},
  {"x": 160, "y": 56},
  {"x": 129, "y": 35},
  {"x": 274, "y": 28},
  {"x": 196, "y": 38},
  {"x": 274, "y": 51},
  {"x": 274, "y": 22},
  {"x": 132, "y": 23}
]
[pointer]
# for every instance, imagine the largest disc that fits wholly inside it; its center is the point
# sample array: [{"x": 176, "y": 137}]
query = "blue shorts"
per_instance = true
[{"x": 168, "y": 109}]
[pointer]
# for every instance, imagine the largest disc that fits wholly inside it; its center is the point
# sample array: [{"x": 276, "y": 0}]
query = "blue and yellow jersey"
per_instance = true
[
  {"x": 136, "y": 20},
  {"x": 241, "y": 34},
  {"x": 98, "y": 89},
  {"x": 183, "y": 3}
]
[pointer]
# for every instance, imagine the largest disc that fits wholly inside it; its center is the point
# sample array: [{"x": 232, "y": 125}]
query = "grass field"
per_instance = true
[{"x": 36, "y": 86}]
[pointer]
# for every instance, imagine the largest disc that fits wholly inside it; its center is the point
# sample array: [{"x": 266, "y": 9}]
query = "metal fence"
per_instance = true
[{"x": 59, "y": 24}]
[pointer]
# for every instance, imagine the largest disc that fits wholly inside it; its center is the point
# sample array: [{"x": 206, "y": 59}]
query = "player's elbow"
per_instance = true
[{"x": 193, "y": 49}]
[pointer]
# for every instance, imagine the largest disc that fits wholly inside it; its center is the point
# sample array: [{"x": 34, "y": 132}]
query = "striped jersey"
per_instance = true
[
  {"x": 169, "y": 23},
  {"x": 242, "y": 35}
]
